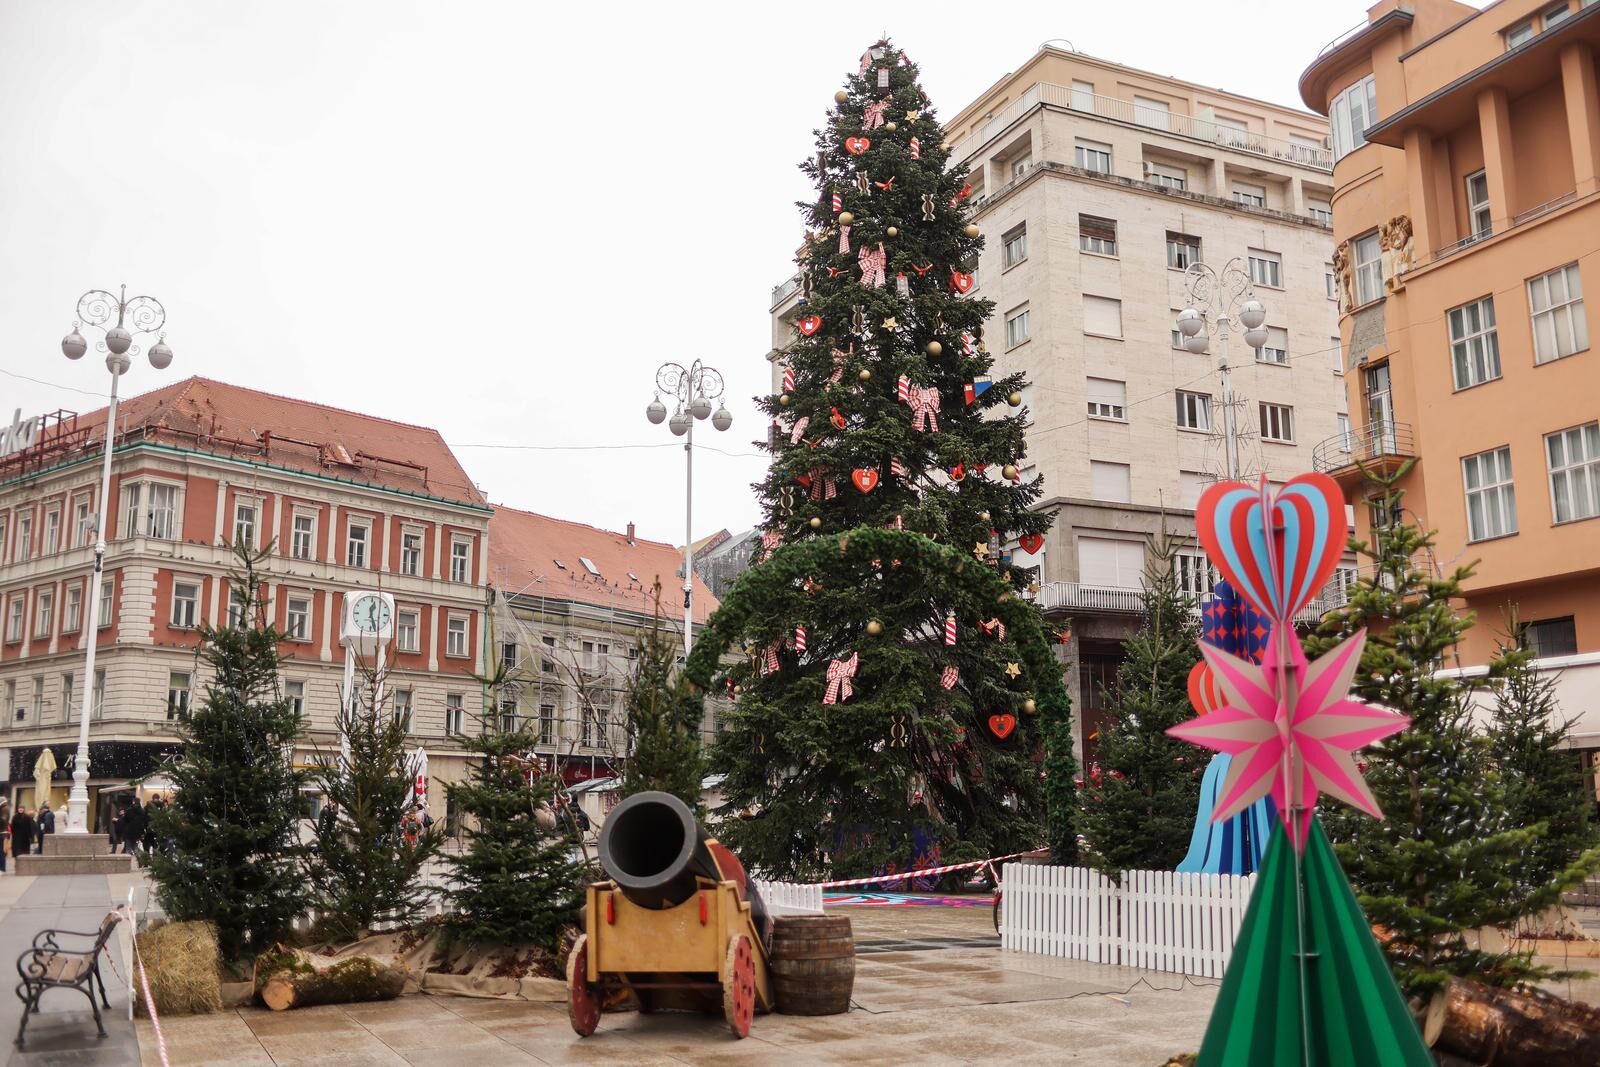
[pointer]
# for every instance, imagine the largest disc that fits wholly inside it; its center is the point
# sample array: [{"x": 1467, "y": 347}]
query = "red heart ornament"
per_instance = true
[
  {"x": 1002, "y": 725},
  {"x": 960, "y": 282},
  {"x": 865, "y": 479},
  {"x": 804, "y": 480},
  {"x": 810, "y": 324},
  {"x": 1204, "y": 693},
  {"x": 857, "y": 145},
  {"x": 1306, "y": 522},
  {"x": 1031, "y": 543},
  {"x": 958, "y": 472}
]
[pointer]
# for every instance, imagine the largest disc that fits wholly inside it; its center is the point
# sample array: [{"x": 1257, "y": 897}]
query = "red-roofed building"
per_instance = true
[
  {"x": 351, "y": 501},
  {"x": 571, "y": 603}
]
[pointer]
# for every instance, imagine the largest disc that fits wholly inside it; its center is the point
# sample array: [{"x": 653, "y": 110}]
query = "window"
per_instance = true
[
  {"x": 18, "y": 616},
  {"x": 1014, "y": 245},
  {"x": 1016, "y": 326},
  {"x": 1178, "y": 340},
  {"x": 99, "y": 706},
  {"x": 1108, "y": 399},
  {"x": 1109, "y": 563},
  {"x": 1191, "y": 484},
  {"x": 547, "y": 663},
  {"x": 547, "y": 724},
  {"x": 460, "y": 560},
  {"x": 1097, "y": 235},
  {"x": 185, "y": 604},
  {"x": 1351, "y": 113},
  {"x": 1520, "y": 34},
  {"x": 455, "y": 713},
  {"x": 508, "y": 655},
  {"x": 1560, "y": 326},
  {"x": 586, "y": 731},
  {"x": 1574, "y": 457},
  {"x": 588, "y": 565},
  {"x": 44, "y": 603},
  {"x": 402, "y": 709},
  {"x": 508, "y": 714},
  {"x": 52, "y": 531},
  {"x": 1183, "y": 251},
  {"x": 38, "y": 699},
  {"x": 1491, "y": 498},
  {"x": 298, "y": 618},
  {"x": 1249, "y": 195},
  {"x": 2, "y": 540},
  {"x": 1196, "y": 576},
  {"x": 1277, "y": 423},
  {"x": 1478, "y": 221},
  {"x": 1368, "y": 258},
  {"x": 178, "y": 683},
  {"x": 1330, "y": 281},
  {"x": 1320, "y": 210},
  {"x": 10, "y": 710},
  {"x": 1344, "y": 431},
  {"x": 163, "y": 511},
  {"x": 587, "y": 648},
  {"x": 236, "y": 609},
  {"x": 1276, "y": 350},
  {"x": 108, "y": 590},
  {"x": 244, "y": 523},
  {"x": 1474, "y": 343},
  {"x": 303, "y": 537},
  {"x": 455, "y": 636},
  {"x": 295, "y": 693},
  {"x": 1157, "y": 114},
  {"x": 1111, "y": 481},
  {"x": 1232, "y": 132},
  {"x": 1102, "y": 315},
  {"x": 1555, "y": 16},
  {"x": 1082, "y": 95},
  {"x": 72, "y": 612},
  {"x": 1266, "y": 268},
  {"x": 407, "y": 632},
  {"x": 82, "y": 524},
  {"x": 1168, "y": 177},
  {"x": 1550, "y": 637},
  {"x": 132, "y": 493},
  {"x": 355, "y": 553},
  {"x": 1093, "y": 156},
  {"x": 1020, "y": 165},
  {"x": 1194, "y": 411},
  {"x": 24, "y": 537}
]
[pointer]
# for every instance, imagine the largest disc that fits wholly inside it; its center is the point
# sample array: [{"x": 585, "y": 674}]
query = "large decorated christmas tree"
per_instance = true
[{"x": 896, "y": 688}]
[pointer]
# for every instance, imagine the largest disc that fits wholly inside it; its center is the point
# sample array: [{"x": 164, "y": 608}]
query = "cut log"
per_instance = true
[
  {"x": 1504, "y": 1028},
  {"x": 289, "y": 978}
]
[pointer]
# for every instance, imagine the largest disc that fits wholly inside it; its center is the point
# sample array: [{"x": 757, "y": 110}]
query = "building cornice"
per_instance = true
[{"x": 1339, "y": 52}]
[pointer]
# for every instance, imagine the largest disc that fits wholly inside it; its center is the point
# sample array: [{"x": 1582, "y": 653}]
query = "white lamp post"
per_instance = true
[
  {"x": 138, "y": 315},
  {"x": 694, "y": 388},
  {"x": 1220, "y": 302}
]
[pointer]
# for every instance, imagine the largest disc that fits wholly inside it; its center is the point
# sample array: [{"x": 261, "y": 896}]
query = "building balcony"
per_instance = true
[
  {"x": 784, "y": 290},
  {"x": 1380, "y": 447},
  {"x": 1078, "y": 598}
]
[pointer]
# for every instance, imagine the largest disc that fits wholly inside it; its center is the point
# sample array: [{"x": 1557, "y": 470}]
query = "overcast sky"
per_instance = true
[{"x": 493, "y": 218}]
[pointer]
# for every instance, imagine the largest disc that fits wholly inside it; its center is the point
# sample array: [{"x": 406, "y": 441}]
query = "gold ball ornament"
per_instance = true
[
  {"x": 874, "y": 627},
  {"x": 1014, "y": 399},
  {"x": 983, "y": 516},
  {"x": 865, "y": 375},
  {"x": 891, "y": 127},
  {"x": 933, "y": 348},
  {"x": 840, "y": 97},
  {"x": 816, "y": 523},
  {"x": 1009, "y": 471},
  {"x": 893, "y": 231},
  {"x": 971, "y": 230},
  {"x": 846, "y": 218},
  {"x": 1029, "y": 707},
  {"x": 783, "y": 400}
]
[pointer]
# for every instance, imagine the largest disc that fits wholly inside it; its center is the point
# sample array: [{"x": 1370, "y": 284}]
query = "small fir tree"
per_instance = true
[
  {"x": 233, "y": 857},
  {"x": 1442, "y": 862},
  {"x": 1138, "y": 811},
  {"x": 516, "y": 882},
  {"x": 368, "y": 859},
  {"x": 663, "y": 721},
  {"x": 1544, "y": 782}
]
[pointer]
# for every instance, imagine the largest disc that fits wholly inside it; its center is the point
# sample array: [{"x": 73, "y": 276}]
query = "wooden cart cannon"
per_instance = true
[{"x": 677, "y": 926}]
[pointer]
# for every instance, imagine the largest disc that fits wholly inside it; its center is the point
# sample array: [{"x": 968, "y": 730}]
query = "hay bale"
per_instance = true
[{"x": 180, "y": 961}]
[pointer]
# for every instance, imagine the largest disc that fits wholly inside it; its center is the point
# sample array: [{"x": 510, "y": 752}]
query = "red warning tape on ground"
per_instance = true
[{"x": 922, "y": 872}]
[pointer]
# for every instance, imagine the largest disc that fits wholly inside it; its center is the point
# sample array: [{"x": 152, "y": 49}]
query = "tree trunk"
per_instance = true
[
  {"x": 289, "y": 978},
  {"x": 1502, "y": 1028}
]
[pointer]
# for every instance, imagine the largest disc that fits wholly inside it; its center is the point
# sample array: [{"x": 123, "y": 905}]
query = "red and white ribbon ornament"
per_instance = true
[
  {"x": 872, "y": 114},
  {"x": 950, "y": 629},
  {"x": 824, "y": 486},
  {"x": 916, "y": 148},
  {"x": 969, "y": 344},
  {"x": 839, "y": 356},
  {"x": 924, "y": 401},
  {"x": 872, "y": 267},
  {"x": 799, "y": 638},
  {"x": 844, "y": 240},
  {"x": 788, "y": 379},
  {"x": 898, "y": 470},
  {"x": 840, "y": 671},
  {"x": 770, "y": 540},
  {"x": 770, "y": 664},
  {"x": 799, "y": 430},
  {"x": 994, "y": 628},
  {"x": 949, "y": 677}
]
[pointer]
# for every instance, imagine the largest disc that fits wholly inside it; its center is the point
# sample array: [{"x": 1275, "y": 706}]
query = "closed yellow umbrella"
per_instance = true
[{"x": 43, "y": 768}]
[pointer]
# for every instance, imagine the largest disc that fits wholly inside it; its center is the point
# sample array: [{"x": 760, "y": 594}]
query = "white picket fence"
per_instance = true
[
  {"x": 1156, "y": 920},
  {"x": 788, "y": 898}
]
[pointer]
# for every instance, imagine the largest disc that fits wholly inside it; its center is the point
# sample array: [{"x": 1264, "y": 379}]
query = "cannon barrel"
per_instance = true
[{"x": 653, "y": 848}]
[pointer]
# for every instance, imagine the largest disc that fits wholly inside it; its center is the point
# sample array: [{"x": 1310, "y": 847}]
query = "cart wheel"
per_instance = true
[
  {"x": 739, "y": 986},
  {"x": 583, "y": 1001}
]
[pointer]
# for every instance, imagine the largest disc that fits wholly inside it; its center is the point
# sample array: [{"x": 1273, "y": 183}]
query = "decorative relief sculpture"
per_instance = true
[
  {"x": 1395, "y": 244},
  {"x": 1342, "y": 274}
]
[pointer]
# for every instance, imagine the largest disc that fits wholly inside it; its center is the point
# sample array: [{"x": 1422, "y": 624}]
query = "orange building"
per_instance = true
[{"x": 1466, "y": 216}]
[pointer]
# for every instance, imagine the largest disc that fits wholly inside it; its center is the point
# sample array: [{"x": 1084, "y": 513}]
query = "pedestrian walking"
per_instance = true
[
  {"x": 46, "y": 823},
  {"x": 21, "y": 832},
  {"x": 5, "y": 834},
  {"x": 151, "y": 811},
  {"x": 133, "y": 827},
  {"x": 327, "y": 819}
]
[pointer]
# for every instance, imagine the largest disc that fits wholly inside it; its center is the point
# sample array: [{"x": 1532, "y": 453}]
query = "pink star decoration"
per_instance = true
[{"x": 1291, "y": 730}]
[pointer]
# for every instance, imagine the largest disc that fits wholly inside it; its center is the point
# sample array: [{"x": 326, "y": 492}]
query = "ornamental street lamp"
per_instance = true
[
  {"x": 1220, "y": 302},
  {"x": 694, "y": 388},
  {"x": 134, "y": 316}
]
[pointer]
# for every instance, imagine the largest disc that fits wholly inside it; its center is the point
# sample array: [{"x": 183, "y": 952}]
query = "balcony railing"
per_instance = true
[
  {"x": 1121, "y": 600},
  {"x": 785, "y": 289},
  {"x": 1374, "y": 442}
]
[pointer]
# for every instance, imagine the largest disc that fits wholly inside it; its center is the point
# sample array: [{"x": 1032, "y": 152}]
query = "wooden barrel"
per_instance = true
[{"x": 813, "y": 964}]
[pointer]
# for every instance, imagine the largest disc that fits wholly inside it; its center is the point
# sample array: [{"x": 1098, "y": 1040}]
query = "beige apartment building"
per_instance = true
[{"x": 1095, "y": 186}]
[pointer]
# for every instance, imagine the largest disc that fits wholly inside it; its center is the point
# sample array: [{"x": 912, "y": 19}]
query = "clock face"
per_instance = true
[{"x": 371, "y": 614}]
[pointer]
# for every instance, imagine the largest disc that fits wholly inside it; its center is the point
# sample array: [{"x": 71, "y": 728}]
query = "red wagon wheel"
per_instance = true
[
  {"x": 739, "y": 986},
  {"x": 583, "y": 1000}
]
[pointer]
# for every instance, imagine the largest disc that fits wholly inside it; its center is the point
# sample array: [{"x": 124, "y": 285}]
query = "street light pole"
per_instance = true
[
  {"x": 694, "y": 388},
  {"x": 1219, "y": 302},
  {"x": 139, "y": 315}
]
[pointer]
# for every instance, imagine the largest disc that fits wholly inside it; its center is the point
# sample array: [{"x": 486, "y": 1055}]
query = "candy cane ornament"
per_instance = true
[
  {"x": 950, "y": 629},
  {"x": 799, "y": 638}
]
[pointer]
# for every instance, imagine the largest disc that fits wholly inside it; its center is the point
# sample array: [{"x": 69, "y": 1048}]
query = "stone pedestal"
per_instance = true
[{"x": 74, "y": 854}]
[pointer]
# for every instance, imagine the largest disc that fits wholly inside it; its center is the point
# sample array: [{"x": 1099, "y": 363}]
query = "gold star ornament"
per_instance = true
[
  {"x": 890, "y": 323},
  {"x": 981, "y": 549},
  {"x": 1013, "y": 670}
]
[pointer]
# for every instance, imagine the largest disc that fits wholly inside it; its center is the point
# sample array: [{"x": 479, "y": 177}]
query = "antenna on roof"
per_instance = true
[{"x": 1057, "y": 41}]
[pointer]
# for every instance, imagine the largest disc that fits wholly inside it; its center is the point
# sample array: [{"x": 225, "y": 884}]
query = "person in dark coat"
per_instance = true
[
  {"x": 21, "y": 832},
  {"x": 156, "y": 805},
  {"x": 46, "y": 823},
  {"x": 133, "y": 827},
  {"x": 328, "y": 819}
]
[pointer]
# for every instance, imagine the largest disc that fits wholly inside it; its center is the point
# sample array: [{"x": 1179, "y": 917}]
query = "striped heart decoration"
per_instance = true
[{"x": 1281, "y": 573}]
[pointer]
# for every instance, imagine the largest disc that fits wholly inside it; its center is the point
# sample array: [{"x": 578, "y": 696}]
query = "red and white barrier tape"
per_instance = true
[
  {"x": 126, "y": 912},
  {"x": 922, "y": 872}
]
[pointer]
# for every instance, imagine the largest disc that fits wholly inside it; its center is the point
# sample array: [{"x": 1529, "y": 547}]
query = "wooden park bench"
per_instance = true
[{"x": 49, "y": 966}]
